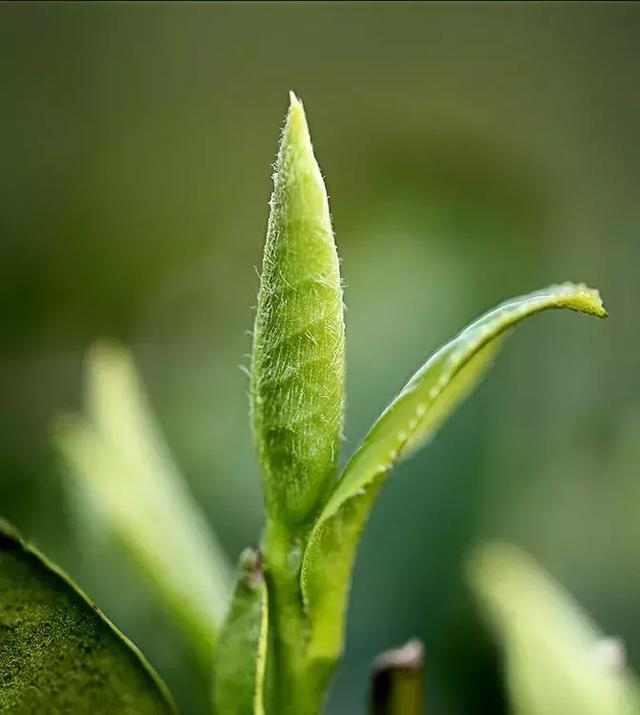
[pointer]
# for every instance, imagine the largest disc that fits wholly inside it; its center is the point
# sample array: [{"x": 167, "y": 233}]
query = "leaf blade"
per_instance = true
[
  {"x": 58, "y": 652},
  {"x": 297, "y": 373},
  {"x": 241, "y": 656},
  {"x": 121, "y": 468},
  {"x": 550, "y": 645},
  {"x": 411, "y": 418}
]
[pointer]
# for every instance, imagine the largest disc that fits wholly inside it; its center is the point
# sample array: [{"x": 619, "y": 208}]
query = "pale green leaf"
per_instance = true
[
  {"x": 122, "y": 476},
  {"x": 297, "y": 376},
  {"x": 409, "y": 421},
  {"x": 242, "y": 650},
  {"x": 58, "y": 652},
  {"x": 557, "y": 660}
]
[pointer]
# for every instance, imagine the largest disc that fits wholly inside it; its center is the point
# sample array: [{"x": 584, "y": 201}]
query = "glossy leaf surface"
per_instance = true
[{"x": 408, "y": 422}]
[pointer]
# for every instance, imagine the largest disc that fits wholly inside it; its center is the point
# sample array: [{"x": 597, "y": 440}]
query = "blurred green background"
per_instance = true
[{"x": 472, "y": 152}]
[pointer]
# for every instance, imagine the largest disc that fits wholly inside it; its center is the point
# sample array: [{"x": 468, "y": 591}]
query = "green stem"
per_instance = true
[{"x": 291, "y": 689}]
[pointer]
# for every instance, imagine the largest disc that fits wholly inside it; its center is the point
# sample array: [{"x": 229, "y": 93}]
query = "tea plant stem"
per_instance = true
[{"x": 292, "y": 690}]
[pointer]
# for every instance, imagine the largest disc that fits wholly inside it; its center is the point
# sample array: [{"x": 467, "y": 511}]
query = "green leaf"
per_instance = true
[
  {"x": 241, "y": 656},
  {"x": 297, "y": 378},
  {"x": 407, "y": 423},
  {"x": 58, "y": 652},
  {"x": 123, "y": 481},
  {"x": 397, "y": 686},
  {"x": 557, "y": 661}
]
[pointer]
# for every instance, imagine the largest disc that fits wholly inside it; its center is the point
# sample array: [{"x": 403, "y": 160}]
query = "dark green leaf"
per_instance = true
[{"x": 58, "y": 653}]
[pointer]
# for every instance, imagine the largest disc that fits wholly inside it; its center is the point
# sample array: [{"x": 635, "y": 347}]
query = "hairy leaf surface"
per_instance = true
[
  {"x": 407, "y": 423},
  {"x": 557, "y": 661},
  {"x": 297, "y": 378},
  {"x": 58, "y": 653}
]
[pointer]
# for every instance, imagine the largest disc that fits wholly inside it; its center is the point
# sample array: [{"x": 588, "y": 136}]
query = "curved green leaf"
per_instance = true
[
  {"x": 409, "y": 421},
  {"x": 297, "y": 376},
  {"x": 58, "y": 652},
  {"x": 122, "y": 479},
  {"x": 557, "y": 661},
  {"x": 242, "y": 650}
]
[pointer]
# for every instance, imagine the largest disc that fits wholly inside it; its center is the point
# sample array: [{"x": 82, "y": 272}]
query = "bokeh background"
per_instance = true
[{"x": 472, "y": 152}]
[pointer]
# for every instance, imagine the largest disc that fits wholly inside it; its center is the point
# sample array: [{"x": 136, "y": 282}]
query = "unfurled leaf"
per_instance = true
[
  {"x": 409, "y": 421},
  {"x": 297, "y": 378},
  {"x": 58, "y": 653},
  {"x": 397, "y": 686},
  {"x": 241, "y": 656},
  {"x": 557, "y": 660},
  {"x": 124, "y": 480}
]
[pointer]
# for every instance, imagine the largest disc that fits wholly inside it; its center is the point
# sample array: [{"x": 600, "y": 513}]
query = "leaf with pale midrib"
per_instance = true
[{"x": 409, "y": 421}]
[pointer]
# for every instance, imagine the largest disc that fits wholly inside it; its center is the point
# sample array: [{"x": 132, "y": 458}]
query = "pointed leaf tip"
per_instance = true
[
  {"x": 297, "y": 376},
  {"x": 294, "y": 100},
  {"x": 296, "y": 113},
  {"x": 296, "y": 156},
  {"x": 583, "y": 299},
  {"x": 552, "y": 648},
  {"x": 411, "y": 419}
]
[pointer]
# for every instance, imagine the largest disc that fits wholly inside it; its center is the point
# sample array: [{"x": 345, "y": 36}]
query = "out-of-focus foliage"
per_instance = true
[
  {"x": 557, "y": 660},
  {"x": 397, "y": 681},
  {"x": 487, "y": 149},
  {"x": 124, "y": 488}
]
